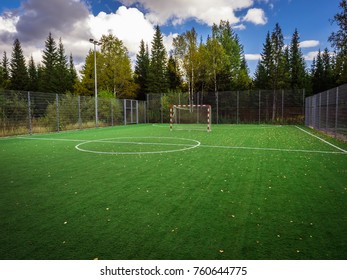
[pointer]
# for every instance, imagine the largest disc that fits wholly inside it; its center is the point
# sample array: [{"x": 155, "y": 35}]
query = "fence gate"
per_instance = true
[{"x": 131, "y": 111}]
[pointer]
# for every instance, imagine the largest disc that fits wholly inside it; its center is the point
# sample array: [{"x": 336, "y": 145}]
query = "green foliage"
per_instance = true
[
  {"x": 338, "y": 41},
  {"x": 116, "y": 75},
  {"x": 56, "y": 75},
  {"x": 142, "y": 71},
  {"x": 157, "y": 76},
  {"x": 18, "y": 69},
  {"x": 280, "y": 66},
  {"x": 86, "y": 87},
  {"x": 174, "y": 75},
  {"x": 68, "y": 106},
  {"x": 13, "y": 111},
  {"x": 33, "y": 84},
  {"x": 5, "y": 72},
  {"x": 49, "y": 81},
  {"x": 114, "y": 72},
  {"x": 297, "y": 63},
  {"x": 186, "y": 53}
]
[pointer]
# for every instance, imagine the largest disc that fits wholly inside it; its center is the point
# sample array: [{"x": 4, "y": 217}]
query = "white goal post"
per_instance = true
[{"x": 195, "y": 116}]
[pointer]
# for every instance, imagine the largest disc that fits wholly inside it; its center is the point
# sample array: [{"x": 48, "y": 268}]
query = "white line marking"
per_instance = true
[
  {"x": 326, "y": 142},
  {"x": 189, "y": 146},
  {"x": 271, "y": 149},
  {"x": 185, "y": 146},
  {"x": 139, "y": 143},
  {"x": 51, "y": 139}
]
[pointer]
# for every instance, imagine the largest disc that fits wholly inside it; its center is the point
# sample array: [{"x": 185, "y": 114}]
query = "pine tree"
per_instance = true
[
  {"x": 277, "y": 69},
  {"x": 18, "y": 69},
  {"x": 157, "y": 70},
  {"x": 33, "y": 76},
  {"x": 338, "y": 41},
  {"x": 142, "y": 71},
  {"x": 49, "y": 81},
  {"x": 228, "y": 79},
  {"x": 1, "y": 76},
  {"x": 328, "y": 74},
  {"x": 318, "y": 74},
  {"x": 72, "y": 75},
  {"x": 297, "y": 63},
  {"x": 86, "y": 86},
  {"x": 5, "y": 71},
  {"x": 5, "y": 67},
  {"x": 61, "y": 71},
  {"x": 265, "y": 66},
  {"x": 173, "y": 74},
  {"x": 286, "y": 79}
]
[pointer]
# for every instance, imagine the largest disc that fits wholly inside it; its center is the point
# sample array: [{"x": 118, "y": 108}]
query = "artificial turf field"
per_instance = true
[{"x": 143, "y": 192}]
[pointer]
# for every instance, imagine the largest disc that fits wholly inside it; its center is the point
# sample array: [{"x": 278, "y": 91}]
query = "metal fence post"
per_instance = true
[
  {"x": 319, "y": 110},
  {"x": 137, "y": 111},
  {"x": 217, "y": 107},
  {"x": 147, "y": 108},
  {"x": 125, "y": 111},
  {"x": 238, "y": 107},
  {"x": 303, "y": 101},
  {"x": 29, "y": 115},
  {"x": 282, "y": 120},
  {"x": 161, "y": 108},
  {"x": 327, "y": 113},
  {"x": 337, "y": 109},
  {"x": 79, "y": 112},
  {"x": 259, "y": 99},
  {"x": 58, "y": 117}
]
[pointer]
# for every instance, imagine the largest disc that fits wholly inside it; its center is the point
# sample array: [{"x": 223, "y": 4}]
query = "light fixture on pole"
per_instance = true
[{"x": 95, "y": 43}]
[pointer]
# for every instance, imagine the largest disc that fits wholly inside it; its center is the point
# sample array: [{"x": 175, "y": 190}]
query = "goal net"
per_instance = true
[{"x": 190, "y": 117}]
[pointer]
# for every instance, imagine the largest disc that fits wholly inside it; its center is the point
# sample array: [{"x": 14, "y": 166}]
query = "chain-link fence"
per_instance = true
[
  {"x": 327, "y": 111},
  {"x": 35, "y": 112},
  {"x": 253, "y": 106}
]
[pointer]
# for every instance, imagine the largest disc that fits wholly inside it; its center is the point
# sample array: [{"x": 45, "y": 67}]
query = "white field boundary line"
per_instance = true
[
  {"x": 326, "y": 142},
  {"x": 202, "y": 146},
  {"x": 107, "y": 141},
  {"x": 271, "y": 149}
]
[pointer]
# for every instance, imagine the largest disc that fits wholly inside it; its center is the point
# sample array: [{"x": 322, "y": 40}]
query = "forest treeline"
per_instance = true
[{"x": 194, "y": 65}]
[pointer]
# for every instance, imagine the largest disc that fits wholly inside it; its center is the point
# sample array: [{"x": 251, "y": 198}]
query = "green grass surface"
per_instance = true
[{"x": 244, "y": 192}]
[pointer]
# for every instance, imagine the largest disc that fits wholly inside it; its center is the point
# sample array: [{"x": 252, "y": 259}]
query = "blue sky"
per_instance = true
[{"x": 75, "y": 21}]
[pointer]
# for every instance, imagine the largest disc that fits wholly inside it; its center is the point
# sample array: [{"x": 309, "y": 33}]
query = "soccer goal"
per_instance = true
[{"x": 190, "y": 117}]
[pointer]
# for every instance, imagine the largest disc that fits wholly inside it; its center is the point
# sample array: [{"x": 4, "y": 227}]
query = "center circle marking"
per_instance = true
[{"x": 191, "y": 144}]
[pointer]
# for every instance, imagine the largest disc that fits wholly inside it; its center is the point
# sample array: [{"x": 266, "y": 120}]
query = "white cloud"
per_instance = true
[
  {"x": 8, "y": 23},
  {"x": 73, "y": 22},
  {"x": 178, "y": 11},
  {"x": 311, "y": 55},
  {"x": 239, "y": 26},
  {"x": 256, "y": 16},
  {"x": 121, "y": 24},
  {"x": 32, "y": 32},
  {"x": 309, "y": 44},
  {"x": 250, "y": 56}
]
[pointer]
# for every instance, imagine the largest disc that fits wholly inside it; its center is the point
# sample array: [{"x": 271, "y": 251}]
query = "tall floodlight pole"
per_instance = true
[{"x": 95, "y": 43}]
